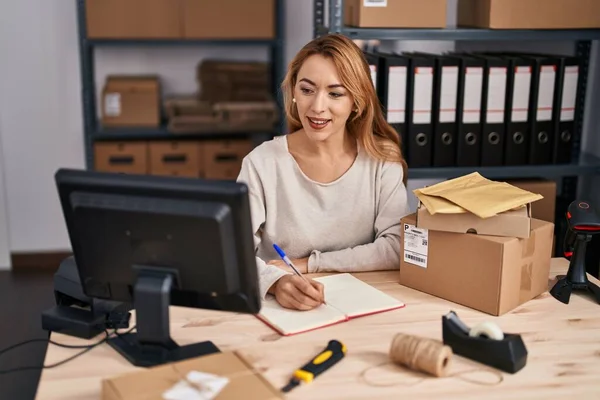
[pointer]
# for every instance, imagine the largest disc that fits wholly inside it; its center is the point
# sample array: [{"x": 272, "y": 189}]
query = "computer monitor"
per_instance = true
[{"x": 157, "y": 241}]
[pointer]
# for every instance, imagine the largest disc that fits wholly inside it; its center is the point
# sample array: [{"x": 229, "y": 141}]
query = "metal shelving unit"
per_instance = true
[
  {"x": 583, "y": 164},
  {"x": 93, "y": 131}
]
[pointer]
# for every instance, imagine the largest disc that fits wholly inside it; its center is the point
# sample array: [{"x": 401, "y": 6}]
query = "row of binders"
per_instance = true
[{"x": 479, "y": 109}]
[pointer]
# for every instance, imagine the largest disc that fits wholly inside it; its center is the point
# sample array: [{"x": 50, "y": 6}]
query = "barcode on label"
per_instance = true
[
  {"x": 415, "y": 258},
  {"x": 375, "y": 3},
  {"x": 424, "y": 242}
]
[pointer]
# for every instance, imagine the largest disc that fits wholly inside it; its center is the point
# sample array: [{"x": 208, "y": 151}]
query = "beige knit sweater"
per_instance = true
[{"x": 349, "y": 225}]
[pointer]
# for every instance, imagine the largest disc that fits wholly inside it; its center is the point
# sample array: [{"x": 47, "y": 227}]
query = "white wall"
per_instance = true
[
  {"x": 40, "y": 103},
  {"x": 41, "y": 116},
  {"x": 5, "y": 262}
]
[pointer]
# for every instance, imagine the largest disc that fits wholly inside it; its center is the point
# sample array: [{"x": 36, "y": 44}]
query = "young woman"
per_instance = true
[{"x": 331, "y": 194}]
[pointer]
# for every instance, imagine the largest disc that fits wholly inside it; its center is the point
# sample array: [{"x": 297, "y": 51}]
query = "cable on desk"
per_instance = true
[{"x": 87, "y": 348}]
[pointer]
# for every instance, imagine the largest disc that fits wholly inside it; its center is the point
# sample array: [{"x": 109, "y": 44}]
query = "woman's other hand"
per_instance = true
[
  {"x": 292, "y": 291},
  {"x": 300, "y": 263}
]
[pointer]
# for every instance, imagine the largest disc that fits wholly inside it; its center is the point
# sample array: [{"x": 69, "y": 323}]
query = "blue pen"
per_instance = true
[{"x": 287, "y": 261}]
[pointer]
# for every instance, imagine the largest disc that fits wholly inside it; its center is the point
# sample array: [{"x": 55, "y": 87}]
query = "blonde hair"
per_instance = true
[{"x": 368, "y": 124}]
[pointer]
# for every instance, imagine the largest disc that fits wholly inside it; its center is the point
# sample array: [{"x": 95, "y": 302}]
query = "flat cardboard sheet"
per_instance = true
[{"x": 513, "y": 223}]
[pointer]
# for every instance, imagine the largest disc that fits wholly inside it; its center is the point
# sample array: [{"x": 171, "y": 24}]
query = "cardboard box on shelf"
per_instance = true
[
  {"x": 529, "y": 14},
  {"x": 514, "y": 223},
  {"x": 131, "y": 101},
  {"x": 222, "y": 159},
  {"x": 175, "y": 158},
  {"x": 209, "y": 19},
  {"x": 395, "y": 13},
  {"x": 151, "y": 383},
  {"x": 544, "y": 209},
  {"x": 124, "y": 157},
  {"x": 491, "y": 274},
  {"x": 133, "y": 19}
]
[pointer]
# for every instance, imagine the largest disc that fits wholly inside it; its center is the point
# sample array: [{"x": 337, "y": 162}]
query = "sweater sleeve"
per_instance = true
[
  {"x": 267, "y": 274},
  {"x": 384, "y": 252}
]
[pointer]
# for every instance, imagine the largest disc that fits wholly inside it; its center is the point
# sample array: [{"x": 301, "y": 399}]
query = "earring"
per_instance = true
[{"x": 293, "y": 99}]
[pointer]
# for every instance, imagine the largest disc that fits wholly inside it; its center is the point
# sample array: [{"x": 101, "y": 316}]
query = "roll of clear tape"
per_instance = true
[{"x": 487, "y": 329}]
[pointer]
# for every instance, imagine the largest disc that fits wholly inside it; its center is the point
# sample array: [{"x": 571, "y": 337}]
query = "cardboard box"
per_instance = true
[
  {"x": 544, "y": 209},
  {"x": 124, "y": 157},
  {"x": 210, "y": 19},
  {"x": 529, "y": 14},
  {"x": 151, "y": 383},
  {"x": 175, "y": 158},
  {"x": 491, "y": 274},
  {"x": 515, "y": 223},
  {"x": 395, "y": 13},
  {"x": 222, "y": 159},
  {"x": 131, "y": 101},
  {"x": 133, "y": 19}
]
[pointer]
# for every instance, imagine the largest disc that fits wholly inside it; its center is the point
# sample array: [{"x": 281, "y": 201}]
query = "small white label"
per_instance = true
[
  {"x": 472, "y": 97},
  {"x": 373, "y": 69},
  {"x": 546, "y": 93},
  {"x": 112, "y": 104},
  {"x": 496, "y": 95},
  {"x": 423, "y": 93},
  {"x": 567, "y": 110},
  {"x": 396, "y": 101},
  {"x": 449, "y": 90},
  {"x": 520, "y": 100},
  {"x": 415, "y": 245},
  {"x": 375, "y": 3}
]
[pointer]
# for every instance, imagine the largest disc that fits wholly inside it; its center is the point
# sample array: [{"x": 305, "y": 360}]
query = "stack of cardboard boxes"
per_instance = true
[
  {"x": 491, "y": 265},
  {"x": 491, "y": 14}
]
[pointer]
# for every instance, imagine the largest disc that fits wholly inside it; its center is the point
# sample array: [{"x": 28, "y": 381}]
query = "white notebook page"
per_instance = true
[
  {"x": 346, "y": 297},
  {"x": 354, "y": 297}
]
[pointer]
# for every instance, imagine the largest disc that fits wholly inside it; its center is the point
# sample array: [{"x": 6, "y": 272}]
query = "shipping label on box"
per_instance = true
[{"x": 415, "y": 245}]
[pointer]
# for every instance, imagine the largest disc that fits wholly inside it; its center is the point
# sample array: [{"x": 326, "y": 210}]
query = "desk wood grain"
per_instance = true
[{"x": 563, "y": 342}]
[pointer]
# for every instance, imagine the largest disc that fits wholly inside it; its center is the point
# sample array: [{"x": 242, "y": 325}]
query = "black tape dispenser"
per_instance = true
[{"x": 484, "y": 343}]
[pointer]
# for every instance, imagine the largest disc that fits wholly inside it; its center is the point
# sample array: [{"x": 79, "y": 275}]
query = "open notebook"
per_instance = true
[{"x": 346, "y": 296}]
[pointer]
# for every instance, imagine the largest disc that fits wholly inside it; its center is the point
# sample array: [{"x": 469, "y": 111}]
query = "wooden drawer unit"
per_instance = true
[
  {"x": 175, "y": 158},
  {"x": 222, "y": 159},
  {"x": 125, "y": 157}
]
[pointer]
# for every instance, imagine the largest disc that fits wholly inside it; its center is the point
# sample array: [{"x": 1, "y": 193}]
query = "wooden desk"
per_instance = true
[{"x": 563, "y": 343}]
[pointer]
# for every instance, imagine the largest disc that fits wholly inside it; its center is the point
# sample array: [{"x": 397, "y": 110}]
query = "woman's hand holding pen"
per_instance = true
[{"x": 293, "y": 291}]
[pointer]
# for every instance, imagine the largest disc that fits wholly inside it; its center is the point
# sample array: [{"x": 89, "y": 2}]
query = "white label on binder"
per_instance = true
[
  {"x": 567, "y": 111},
  {"x": 423, "y": 94},
  {"x": 448, "y": 94},
  {"x": 496, "y": 95},
  {"x": 546, "y": 93},
  {"x": 520, "y": 100},
  {"x": 396, "y": 101},
  {"x": 373, "y": 69},
  {"x": 112, "y": 104},
  {"x": 375, "y": 3},
  {"x": 416, "y": 245},
  {"x": 472, "y": 96}
]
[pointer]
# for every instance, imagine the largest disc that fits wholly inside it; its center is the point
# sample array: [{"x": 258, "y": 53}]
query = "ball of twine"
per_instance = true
[{"x": 421, "y": 354}]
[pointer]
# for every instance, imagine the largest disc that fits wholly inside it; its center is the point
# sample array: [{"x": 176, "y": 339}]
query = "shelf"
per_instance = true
[
  {"x": 108, "y": 134},
  {"x": 587, "y": 165},
  {"x": 472, "y": 34},
  {"x": 181, "y": 42}
]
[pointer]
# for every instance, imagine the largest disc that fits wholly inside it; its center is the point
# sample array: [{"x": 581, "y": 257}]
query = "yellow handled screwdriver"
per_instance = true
[{"x": 327, "y": 358}]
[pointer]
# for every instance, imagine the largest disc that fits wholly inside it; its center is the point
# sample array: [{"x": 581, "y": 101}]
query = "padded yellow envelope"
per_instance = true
[{"x": 476, "y": 194}]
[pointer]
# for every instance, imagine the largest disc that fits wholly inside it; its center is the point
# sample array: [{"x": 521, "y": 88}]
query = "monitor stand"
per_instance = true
[{"x": 151, "y": 344}]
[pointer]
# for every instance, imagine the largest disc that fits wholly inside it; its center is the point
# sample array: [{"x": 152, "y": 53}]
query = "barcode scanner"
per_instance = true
[{"x": 582, "y": 223}]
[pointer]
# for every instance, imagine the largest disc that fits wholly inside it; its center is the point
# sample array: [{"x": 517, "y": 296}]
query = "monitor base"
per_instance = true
[{"x": 144, "y": 355}]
